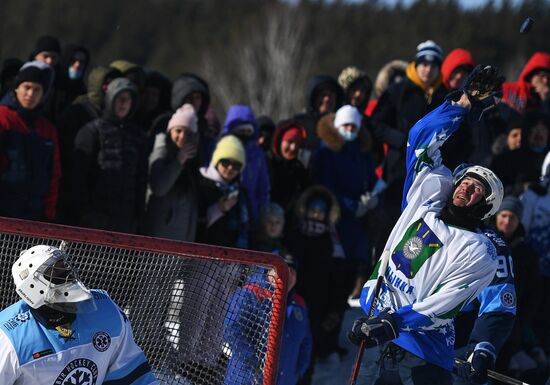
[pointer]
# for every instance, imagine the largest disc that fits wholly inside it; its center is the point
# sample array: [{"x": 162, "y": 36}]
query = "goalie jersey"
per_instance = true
[
  {"x": 96, "y": 348},
  {"x": 434, "y": 269}
]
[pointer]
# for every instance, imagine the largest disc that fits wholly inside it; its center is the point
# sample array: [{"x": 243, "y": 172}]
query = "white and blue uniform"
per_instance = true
[
  {"x": 434, "y": 268},
  {"x": 97, "y": 348}
]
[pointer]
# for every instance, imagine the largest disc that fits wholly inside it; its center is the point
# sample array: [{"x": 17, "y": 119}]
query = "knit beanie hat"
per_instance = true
[
  {"x": 428, "y": 51},
  {"x": 349, "y": 75},
  {"x": 229, "y": 147},
  {"x": 184, "y": 116},
  {"x": 347, "y": 114},
  {"x": 46, "y": 44},
  {"x": 36, "y": 72},
  {"x": 513, "y": 204},
  {"x": 293, "y": 134}
]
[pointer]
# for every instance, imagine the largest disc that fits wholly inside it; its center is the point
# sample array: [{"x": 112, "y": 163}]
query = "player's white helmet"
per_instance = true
[
  {"x": 44, "y": 276},
  {"x": 493, "y": 186}
]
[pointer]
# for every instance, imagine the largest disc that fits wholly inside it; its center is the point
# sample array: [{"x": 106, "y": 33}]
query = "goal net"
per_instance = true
[{"x": 202, "y": 314}]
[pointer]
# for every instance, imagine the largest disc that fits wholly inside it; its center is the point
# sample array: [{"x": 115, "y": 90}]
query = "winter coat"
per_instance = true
[
  {"x": 214, "y": 227},
  {"x": 255, "y": 176},
  {"x": 163, "y": 85},
  {"x": 84, "y": 109},
  {"x": 536, "y": 221},
  {"x": 247, "y": 313},
  {"x": 528, "y": 289},
  {"x": 347, "y": 170},
  {"x": 182, "y": 87},
  {"x": 311, "y": 116},
  {"x": 520, "y": 95},
  {"x": 172, "y": 198},
  {"x": 288, "y": 178},
  {"x": 385, "y": 77},
  {"x": 322, "y": 277},
  {"x": 110, "y": 168},
  {"x": 398, "y": 109},
  {"x": 296, "y": 346},
  {"x": 30, "y": 164}
]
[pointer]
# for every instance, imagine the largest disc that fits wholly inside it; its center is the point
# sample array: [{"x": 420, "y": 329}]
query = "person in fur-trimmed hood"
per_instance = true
[
  {"x": 311, "y": 241},
  {"x": 344, "y": 165}
]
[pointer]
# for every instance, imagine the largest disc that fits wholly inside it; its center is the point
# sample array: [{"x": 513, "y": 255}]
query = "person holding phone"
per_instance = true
[
  {"x": 173, "y": 174},
  {"x": 223, "y": 216}
]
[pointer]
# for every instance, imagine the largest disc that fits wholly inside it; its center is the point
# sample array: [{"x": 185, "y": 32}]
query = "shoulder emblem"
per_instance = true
[{"x": 101, "y": 341}]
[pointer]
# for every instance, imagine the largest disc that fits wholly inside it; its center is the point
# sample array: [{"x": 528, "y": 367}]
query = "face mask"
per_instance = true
[
  {"x": 74, "y": 74},
  {"x": 347, "y": 135}
]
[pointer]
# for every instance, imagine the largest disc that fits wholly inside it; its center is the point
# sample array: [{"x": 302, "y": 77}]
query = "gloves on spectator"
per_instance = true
[
  {"x": 374, "y": 331},
  {"x": 482, "y": 359},
  {"x": 367, "y": 202}
]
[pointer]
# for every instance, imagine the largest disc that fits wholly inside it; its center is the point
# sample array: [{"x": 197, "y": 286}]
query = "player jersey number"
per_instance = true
[{"x": 505, "y": 266}]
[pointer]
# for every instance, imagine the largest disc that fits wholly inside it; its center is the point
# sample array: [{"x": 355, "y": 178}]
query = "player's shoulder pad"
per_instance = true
[{"x": 494, "y": 237}]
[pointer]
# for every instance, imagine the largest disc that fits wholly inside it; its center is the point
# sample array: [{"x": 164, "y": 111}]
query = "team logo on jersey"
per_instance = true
[
  {"x": 81, "y": 371},
  {"x": 417, "y": 245},
  {"x": 101, "y": 341},
  {"x": 508, "y": 298},
  {"x": 14, "y": 322}
]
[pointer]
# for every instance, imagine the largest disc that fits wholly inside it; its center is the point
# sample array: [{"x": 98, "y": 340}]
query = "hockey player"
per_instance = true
[
  {"x": 437, "y": 259},
  {"x": 62, "y": 333},
  {"x": 496, "y": 312}
]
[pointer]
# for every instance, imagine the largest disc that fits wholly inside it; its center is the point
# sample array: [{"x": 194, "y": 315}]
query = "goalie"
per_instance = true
[
  {"x": 438, "y": 259},
  {"x": 61, "y": 332}
]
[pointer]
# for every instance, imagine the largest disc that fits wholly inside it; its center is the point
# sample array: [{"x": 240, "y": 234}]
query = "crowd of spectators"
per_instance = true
[{"x": 130, "y": 150}]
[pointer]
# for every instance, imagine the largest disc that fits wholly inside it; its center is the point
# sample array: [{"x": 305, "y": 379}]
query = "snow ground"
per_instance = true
[{"x": 333, "y": 370}]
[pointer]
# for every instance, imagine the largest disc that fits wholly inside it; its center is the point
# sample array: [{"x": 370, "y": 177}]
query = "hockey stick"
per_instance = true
[
  {"x": 381, "y": 270},
  {"x": 497, "y": 376}
]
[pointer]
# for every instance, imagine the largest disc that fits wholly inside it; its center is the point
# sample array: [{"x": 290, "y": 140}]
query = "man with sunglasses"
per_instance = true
[{"x": 61, "y": 332}]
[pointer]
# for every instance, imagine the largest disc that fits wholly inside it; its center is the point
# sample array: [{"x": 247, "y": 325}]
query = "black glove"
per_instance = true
[
  {"x": 482, "y": 83},
  {"x": 374, "y": 331},
  {"x": 483, "y": 86},
  {"x": 482, "y": 359}
]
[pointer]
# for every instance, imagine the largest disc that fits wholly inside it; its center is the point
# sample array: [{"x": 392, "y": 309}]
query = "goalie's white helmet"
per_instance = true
[
  {"x": 44, "y": 276},
  {"x": 493, "y": 186}
]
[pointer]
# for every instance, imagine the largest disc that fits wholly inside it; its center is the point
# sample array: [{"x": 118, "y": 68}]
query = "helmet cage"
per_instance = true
[{"x": 44, "y": 276}]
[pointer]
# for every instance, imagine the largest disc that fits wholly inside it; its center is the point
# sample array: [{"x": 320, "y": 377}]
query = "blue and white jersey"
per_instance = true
[
  {"x": 497, "y": 302},
  {"x": 96, "y": 348},
  {"x": 434, "y": 269}
]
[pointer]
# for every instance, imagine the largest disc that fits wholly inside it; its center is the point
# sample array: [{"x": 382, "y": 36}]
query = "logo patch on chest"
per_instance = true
[
  {"x": 78, "y": 372},
  {"x": 101, "y": 341},
  {"x": 417, "y": 245}
]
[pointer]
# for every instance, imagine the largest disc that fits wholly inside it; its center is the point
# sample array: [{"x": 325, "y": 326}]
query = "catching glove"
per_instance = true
[
  {"x": 374, "y": 331},
  {"x": 481, "y": 360},
  {"x": 483, "y": 87}
]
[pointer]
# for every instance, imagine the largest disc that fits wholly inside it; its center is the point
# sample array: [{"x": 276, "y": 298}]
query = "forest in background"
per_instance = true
[{"x": 262, "y": 52}]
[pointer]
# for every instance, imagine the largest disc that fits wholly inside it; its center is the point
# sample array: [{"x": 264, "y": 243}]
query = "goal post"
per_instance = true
[{"x": 202, "y": 314}]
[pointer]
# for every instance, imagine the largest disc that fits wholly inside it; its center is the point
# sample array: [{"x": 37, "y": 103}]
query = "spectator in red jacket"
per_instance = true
[
  {"x": 30, "y": 165},
  {"x": 532, "y": 89}
]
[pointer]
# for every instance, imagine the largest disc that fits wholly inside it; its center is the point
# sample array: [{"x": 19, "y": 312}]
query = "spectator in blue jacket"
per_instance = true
[{"x": 296, "y": 346}]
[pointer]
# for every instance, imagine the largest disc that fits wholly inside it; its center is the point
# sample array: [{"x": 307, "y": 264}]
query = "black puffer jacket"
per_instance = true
[
  {"x": 399, "y": 108},
  {"x": 110, "y": 175}
]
